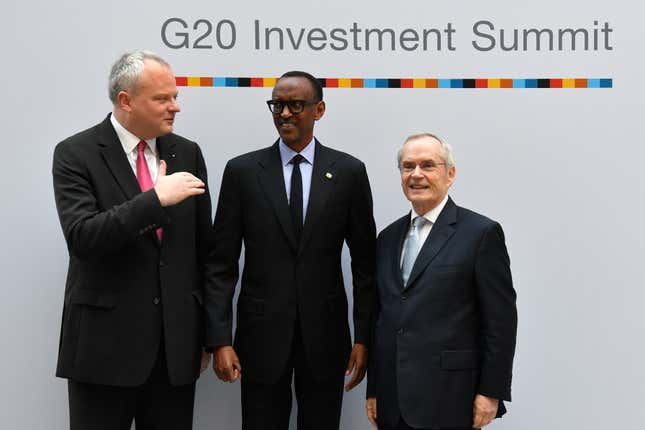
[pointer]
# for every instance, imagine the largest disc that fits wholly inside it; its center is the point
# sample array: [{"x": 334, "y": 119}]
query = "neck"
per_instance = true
[
  {"x": 300, "y": 145},
  {"x": 423, "y": 208},
  {"x": 122, "y": 118},
  {"x": 421, "y": 211}
]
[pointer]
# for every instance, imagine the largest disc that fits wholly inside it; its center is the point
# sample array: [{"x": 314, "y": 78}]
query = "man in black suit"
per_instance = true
[
  {"x": 444, "y": 339},
  {"x": 293, "y": 205},
  {"x": 136, "y": 215}
]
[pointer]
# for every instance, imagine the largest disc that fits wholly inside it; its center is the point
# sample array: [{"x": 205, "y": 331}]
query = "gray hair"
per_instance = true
[
  {"x": 127, "y": 69},
  {"x": 446, "y": 149}
]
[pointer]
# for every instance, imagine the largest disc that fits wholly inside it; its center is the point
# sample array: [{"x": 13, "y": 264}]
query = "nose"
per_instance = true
[
  {"x": 174, "y": 106},
  {"x": 417, "y": 171},
  {"x": 286, "y": 113}
]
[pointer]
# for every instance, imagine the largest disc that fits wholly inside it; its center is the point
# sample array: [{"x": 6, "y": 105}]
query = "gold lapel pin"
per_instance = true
[{"x": 328, "y": 175}]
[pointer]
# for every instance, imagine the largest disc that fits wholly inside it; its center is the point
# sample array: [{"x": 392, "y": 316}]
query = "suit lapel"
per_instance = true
[
  {"x": 166, "y": 150},
  {"x": 322, "y": 182},
  {"x": 271, "y": 178},
  {"x": 442, "y": 230},
  {"x": 400, "y": 231},
  {"x": 116, "y": 160}
]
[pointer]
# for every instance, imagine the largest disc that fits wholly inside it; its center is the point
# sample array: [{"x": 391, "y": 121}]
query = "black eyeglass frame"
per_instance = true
[{"x": 295, "y": 106}]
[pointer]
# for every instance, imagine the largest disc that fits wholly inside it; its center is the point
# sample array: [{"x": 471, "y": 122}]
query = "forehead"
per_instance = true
[
  {"x": 156, "y": 76},
  {"x": 294, "y": 88},
  {"x": 424, "y": 148}
]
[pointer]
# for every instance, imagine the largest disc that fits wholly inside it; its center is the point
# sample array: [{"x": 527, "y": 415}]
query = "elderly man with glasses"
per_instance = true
[{"x": 444, "y": 340}]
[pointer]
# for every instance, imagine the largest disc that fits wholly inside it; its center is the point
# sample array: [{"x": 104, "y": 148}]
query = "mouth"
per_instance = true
[{"x": 418, "y": 187}]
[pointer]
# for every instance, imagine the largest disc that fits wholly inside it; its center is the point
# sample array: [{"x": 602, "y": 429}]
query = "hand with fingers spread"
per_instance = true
[
  {"x": 358, "y": 364},
  {"x": 484, "y": 410},
  {"x": 177, "y": 187},
  {"x": 370, "y": 410},
  {"x": 226, "y": 364}
]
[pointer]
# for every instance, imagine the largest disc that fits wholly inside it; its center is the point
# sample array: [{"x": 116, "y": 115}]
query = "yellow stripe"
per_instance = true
[
  {"x": 418, "y": 83},
  {"x": 494, "y": 83}
]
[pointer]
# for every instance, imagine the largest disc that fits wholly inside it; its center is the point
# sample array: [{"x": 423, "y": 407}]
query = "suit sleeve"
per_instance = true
[
  {"x": 361, "y": 241},
  {"x": 372, "y": 382},
  {"x": 498, "y": 314},
  {"x": 203, "y": 221},
  {"x": 223, "y": 262},
  {"x": 91, "y": 232}
]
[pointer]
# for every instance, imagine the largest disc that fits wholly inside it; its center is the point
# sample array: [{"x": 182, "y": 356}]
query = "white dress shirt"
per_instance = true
[
  {"x": 424, "y": 231},
  {"x": 306, "y": 170},
  {"x": 130, "y": 142}
]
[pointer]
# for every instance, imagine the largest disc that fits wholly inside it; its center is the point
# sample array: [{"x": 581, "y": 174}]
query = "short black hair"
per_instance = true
[{"x": 315, "y": 83}]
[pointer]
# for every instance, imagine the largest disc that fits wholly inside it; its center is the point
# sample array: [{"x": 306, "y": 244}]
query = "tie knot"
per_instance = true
[
  {"x": 419, "y": 222},
  {"x": 297, "y": 159},
  {"x": 142, "y": 146}
]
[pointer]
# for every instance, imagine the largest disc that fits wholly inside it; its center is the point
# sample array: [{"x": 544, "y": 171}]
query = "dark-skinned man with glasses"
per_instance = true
[{"x": 293, "y": 205}]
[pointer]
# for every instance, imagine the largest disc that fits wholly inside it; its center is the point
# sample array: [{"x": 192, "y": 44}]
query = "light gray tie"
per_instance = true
[{"x": 412, "y": 245}]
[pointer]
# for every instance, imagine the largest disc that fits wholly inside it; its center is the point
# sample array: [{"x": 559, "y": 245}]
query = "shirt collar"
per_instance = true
[
  {"x": 286, "y": 153},
  {"x": 433, "y": 213},
  {"x": 128, "y": 140}
]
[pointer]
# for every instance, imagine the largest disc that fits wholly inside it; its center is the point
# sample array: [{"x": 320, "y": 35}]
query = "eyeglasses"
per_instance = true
[
  {"x": 425, "y": 166},
  {"x": 295, "y": 106}
]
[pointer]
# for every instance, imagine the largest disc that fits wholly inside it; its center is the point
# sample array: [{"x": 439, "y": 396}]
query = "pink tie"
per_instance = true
[{"x": 143, "y": 174}]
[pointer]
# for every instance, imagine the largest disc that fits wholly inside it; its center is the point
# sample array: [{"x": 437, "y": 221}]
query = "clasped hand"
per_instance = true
[{"x": 226, "y": 364}]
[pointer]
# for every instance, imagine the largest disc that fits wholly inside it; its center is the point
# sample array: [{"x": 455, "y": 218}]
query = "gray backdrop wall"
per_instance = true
[{"x": 559, "y": 168}]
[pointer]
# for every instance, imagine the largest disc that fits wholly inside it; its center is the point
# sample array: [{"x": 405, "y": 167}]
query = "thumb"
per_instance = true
[
  {"x": 162, "y": 168},
  {"x": 350, "y": 365}
]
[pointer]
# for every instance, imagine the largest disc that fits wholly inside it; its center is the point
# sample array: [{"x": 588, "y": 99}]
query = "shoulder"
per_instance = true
[
  {"x": 250, "y": 158},
  {"x": 473, "y": 217},
  {"x": 82, "y": 142},
  {"x": 180, "y": 144},
  {"x": 476, "y": 222},
  {"x": 250, "y": 163},
  {"x": 181, "y": 140},
  {"x": 343, "y": 159}
]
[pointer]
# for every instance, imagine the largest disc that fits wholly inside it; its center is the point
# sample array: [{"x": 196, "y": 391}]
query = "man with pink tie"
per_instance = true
[{"x": 136, "y": 215}]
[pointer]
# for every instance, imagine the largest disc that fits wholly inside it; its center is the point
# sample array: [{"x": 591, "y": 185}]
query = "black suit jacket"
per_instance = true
[
  {"x": 125, "y": 291},
  {"x": 284, "y": 281},
  {"x": 450, "y": 332}
]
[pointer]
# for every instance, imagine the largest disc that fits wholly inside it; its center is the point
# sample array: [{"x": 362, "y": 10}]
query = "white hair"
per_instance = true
[
  {"x": 127, "y": 69},
  {"x": 446, "y": 149}
]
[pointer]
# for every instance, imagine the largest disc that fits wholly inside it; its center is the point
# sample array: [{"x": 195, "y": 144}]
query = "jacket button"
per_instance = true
[
  {"x": 161, "y": 263},
  {"x": 156, "y": 301},
  {"x": 404, "y": 297},
  {"x": 400, "y": 331}
]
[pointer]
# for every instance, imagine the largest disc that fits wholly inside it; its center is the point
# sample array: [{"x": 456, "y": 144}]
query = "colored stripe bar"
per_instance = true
[{"x": 470, "y": 83}]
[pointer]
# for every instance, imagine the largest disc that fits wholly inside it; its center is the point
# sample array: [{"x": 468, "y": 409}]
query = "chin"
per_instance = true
[{"x": 288, "y": 139}]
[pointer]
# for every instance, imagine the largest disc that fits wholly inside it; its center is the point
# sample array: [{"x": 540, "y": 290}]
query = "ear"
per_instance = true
[
  {"x": 320, "y": 110},
  {"x": 124, "y": 101},
  {"x": 451, "y": 175}
]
